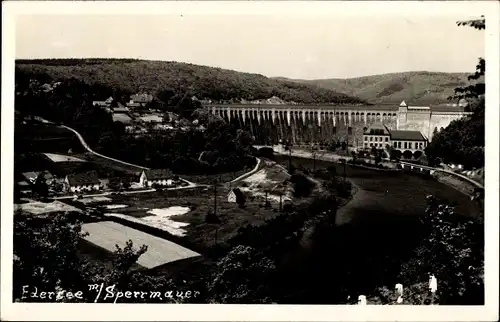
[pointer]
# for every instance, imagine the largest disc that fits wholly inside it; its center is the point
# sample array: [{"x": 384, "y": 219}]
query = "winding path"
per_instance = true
[
  {"x": 477, "y": 184},
  {"x": 86, "y": 146}
]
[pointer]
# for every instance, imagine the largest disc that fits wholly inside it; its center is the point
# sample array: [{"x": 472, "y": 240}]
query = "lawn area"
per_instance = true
[
  {"x": 134, "y": 208},
  {"x": 45, "y": 138},
  {"x": 110, "y": 164},
  {"x": 220, "y": 177}
]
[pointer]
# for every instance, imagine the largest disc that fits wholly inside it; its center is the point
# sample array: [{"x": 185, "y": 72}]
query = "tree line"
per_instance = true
[{"x": 204, "y": 82}]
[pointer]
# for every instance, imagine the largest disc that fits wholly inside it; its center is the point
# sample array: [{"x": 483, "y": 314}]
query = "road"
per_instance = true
[
  {"x": 331, "y": 157},
  {"x": 108, "y": 193},
  {"x": 87, "y": 147}
]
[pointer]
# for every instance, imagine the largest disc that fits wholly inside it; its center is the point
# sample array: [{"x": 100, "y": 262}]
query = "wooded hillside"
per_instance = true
[
  {"x": 204, "y": 82},
  {"x": 414, "y": 87}
]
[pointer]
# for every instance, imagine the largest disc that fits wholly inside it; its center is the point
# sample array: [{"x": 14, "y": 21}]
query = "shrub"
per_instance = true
[{"x": 302, "y": 185}]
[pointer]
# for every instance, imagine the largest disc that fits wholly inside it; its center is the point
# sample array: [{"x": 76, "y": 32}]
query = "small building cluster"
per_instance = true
[
  {"x": 136, "y": 100},
  {"x": 79, "y": 181}
]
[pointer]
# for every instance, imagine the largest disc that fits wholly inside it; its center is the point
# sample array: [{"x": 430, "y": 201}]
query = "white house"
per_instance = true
[
  {"x": 234, "y": 194},
  {"x": 161, "y": 177},
  {"x": 82, "y": 182}
]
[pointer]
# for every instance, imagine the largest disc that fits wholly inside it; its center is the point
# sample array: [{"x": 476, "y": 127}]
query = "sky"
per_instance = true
[{"x": 297, "y": 46}]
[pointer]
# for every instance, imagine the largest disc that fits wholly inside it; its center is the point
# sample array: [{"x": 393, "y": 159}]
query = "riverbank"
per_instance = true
[{"x": 449, "y": 178}]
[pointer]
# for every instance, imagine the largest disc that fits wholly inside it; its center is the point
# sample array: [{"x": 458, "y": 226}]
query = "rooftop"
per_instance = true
[
  {"x": 83, "y": 178},
  {"x": 377, "y": 128},
  {"x": 419, "y": 108},
  {"x": 122, "y": 109},
  {"x": 155, "y": 174},
  {"x": 238, "y": 193},
  {"x": 107, "y": 234},
  {"x": 141, "y": 98},
  {"x": 34, "y": 174},
  {"x": 121, "y": 117},
  {"x": 407, "y": 135}
]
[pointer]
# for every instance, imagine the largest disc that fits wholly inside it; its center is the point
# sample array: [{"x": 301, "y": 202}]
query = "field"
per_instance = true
[
  {"x": 197, "y": 234},
  {"x": 45, "y": 138},
  {"x": 111, "y": 165},
  {"x": 62, "y": 158},
  {"x": 39, "y": 161},
  {"x": 39, "y": 208}
]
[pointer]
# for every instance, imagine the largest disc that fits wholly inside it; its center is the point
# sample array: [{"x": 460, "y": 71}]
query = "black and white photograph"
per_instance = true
[{"x": 263, "y": 153}]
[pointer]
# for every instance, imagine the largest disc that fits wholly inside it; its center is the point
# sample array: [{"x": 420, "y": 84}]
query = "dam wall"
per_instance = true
[{"x": 320, "y": 124}]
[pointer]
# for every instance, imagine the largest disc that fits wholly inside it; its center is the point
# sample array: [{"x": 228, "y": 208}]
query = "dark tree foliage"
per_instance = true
[
  {"x": 453, "y": 251},
  {"x": 461, "y": 142},
  {"x": 47, "y": 257},
  {"x": 302, "y": 185},
  {"x": 171, "y": 79}
]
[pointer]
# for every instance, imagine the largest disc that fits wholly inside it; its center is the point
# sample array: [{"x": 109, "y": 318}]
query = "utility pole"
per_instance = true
[
  {"x": 281, "y": 207},
  {"x": 347, "y": 139},
  {"x": 345, "y": 169},
  {"x": 314, "y": 158},
  {"x": 215, "y": 199},
  {"x": 289, "y": 157}
]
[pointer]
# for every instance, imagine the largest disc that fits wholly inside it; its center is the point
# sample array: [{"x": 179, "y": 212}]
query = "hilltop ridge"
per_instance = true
[
  {"x": 204, "y": 82},
  {"x": 416, "y": 87}
]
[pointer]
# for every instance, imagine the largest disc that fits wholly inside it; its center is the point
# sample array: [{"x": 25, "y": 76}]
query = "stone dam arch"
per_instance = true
[{"x": 316, "y": 124}]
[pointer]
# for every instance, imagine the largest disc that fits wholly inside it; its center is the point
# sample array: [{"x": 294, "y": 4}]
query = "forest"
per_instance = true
[{"x": 204, "y": 82}]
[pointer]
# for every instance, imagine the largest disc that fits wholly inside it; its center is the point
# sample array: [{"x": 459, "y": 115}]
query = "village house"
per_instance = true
[
  {"x": 235, "y": 195},
  {"x": 140, "y": 99},
  {"x": 132, "y": 104},
  {"x": 120, "y": 108},
  {"x": 32, "y": 175},
  {"x": 162, "y": 177},
  {"x": 81, "y": 182},
  {"x": 121, "y": 117},
  {"x": 105, "y": 103}
]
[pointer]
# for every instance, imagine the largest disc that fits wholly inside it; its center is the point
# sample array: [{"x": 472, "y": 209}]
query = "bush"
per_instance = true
[
  {"x": 302, "y": 185},
  {"x": 340, "y": 187},
  {"x": 266, "y": 153}
]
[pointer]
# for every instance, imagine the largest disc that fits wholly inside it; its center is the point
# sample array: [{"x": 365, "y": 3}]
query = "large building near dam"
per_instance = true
[{"x": 305, "y": 124}]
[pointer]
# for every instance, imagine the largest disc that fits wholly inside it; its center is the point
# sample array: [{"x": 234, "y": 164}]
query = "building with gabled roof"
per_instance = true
[
  {"x": 31, "y": 176},
  {"x": 84, "y": 181},
  {"x": 408, "y": 140},
  {"x": 235, "y": 194},
  {"x": 141, "y": 98},
  {"x": 162, "y": 177}
]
